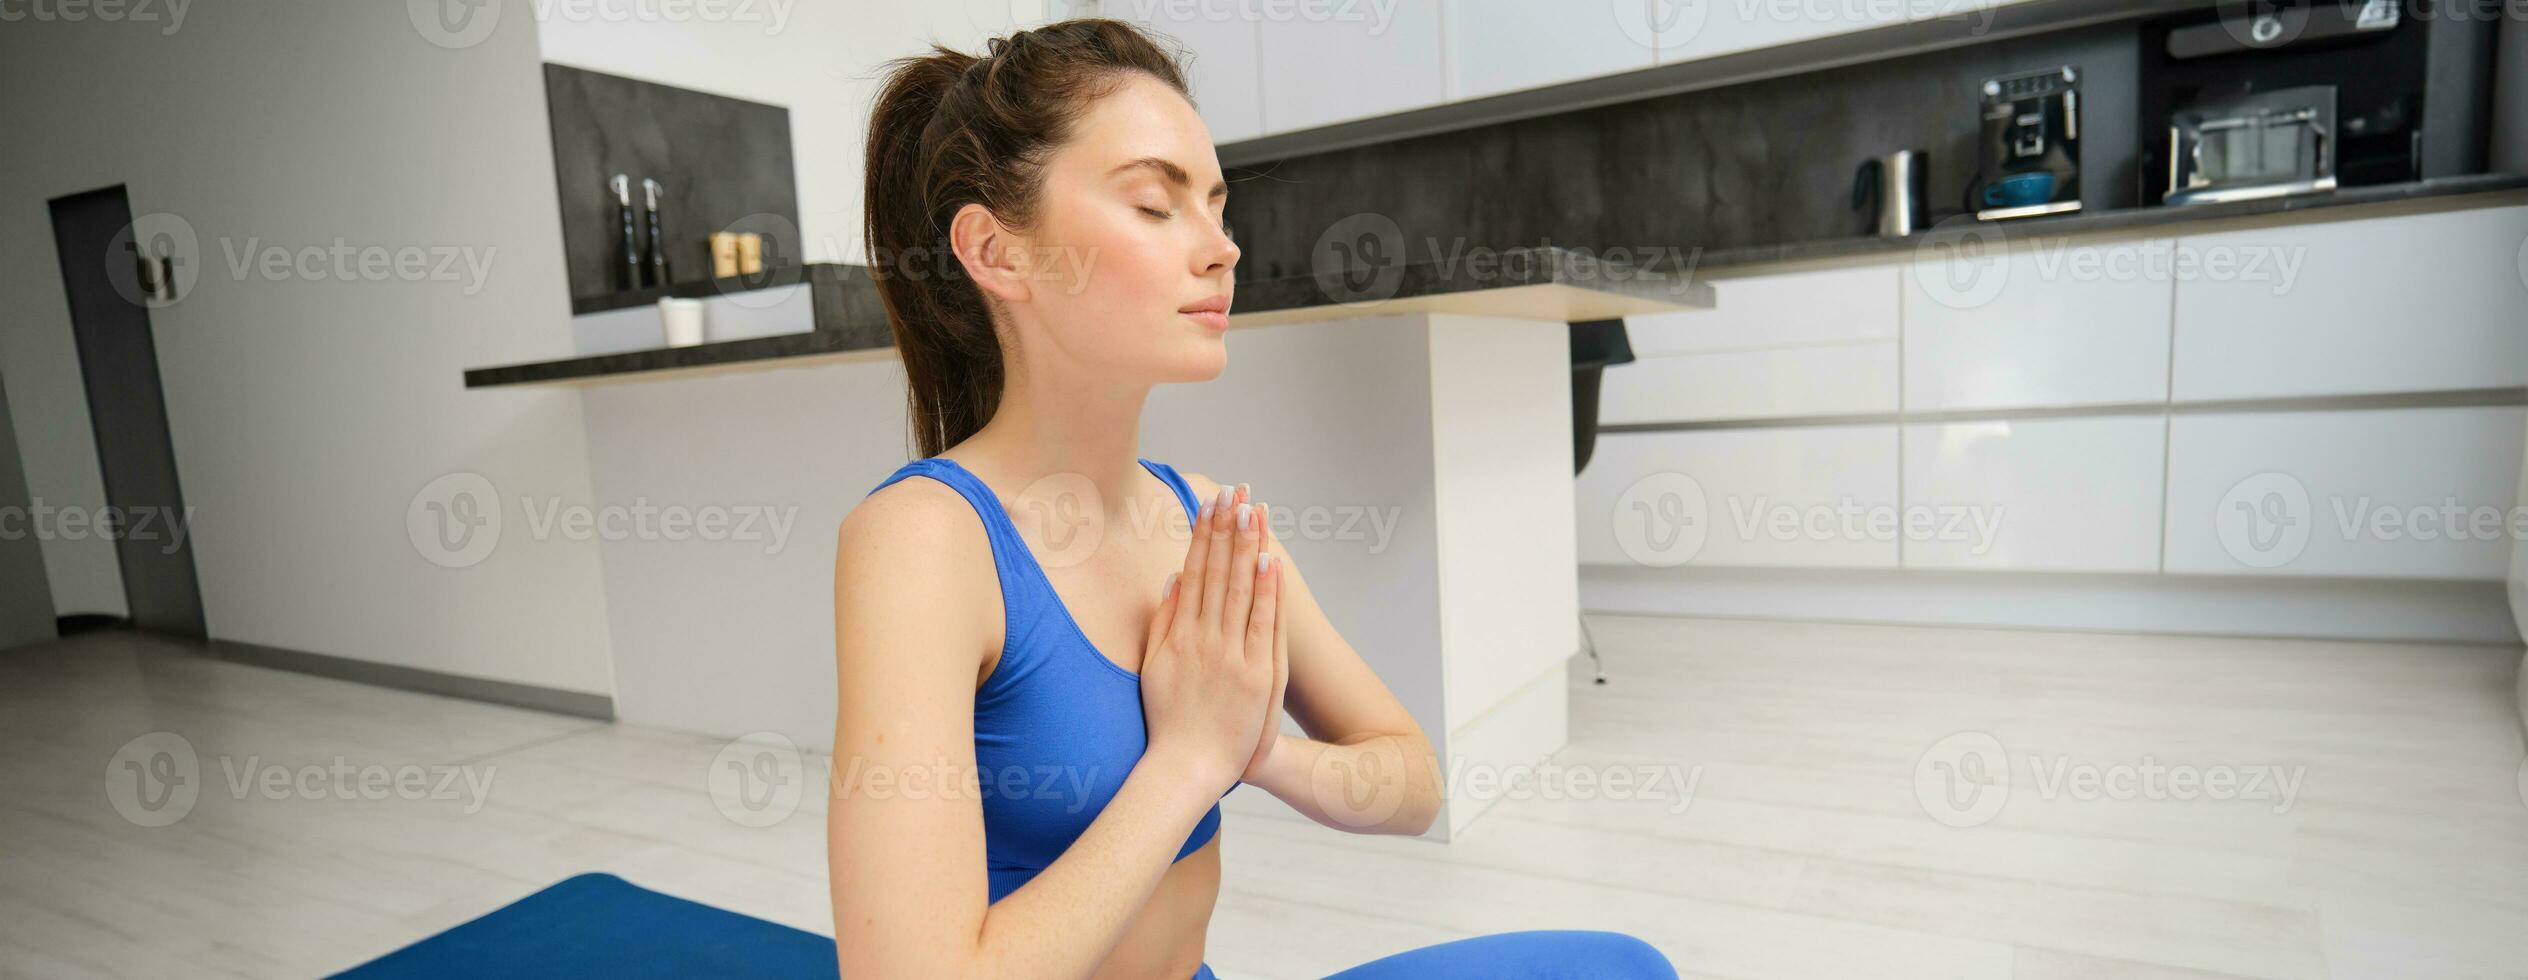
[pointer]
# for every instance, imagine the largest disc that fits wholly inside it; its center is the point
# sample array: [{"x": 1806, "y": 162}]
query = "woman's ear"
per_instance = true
[{"x": 991, "y": 254}]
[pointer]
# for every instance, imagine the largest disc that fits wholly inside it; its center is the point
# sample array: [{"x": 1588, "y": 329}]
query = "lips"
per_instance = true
[{"x": 1212, "y": 312}]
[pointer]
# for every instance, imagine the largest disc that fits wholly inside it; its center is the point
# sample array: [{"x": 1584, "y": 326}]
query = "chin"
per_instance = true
[{"x": 1199, "y": 361}]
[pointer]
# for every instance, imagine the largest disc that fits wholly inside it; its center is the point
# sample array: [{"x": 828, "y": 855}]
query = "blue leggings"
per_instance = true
[{"x": 1535, "y": 954}]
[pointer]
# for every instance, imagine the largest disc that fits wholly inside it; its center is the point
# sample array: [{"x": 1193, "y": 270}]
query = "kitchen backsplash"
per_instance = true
[{"x": 1750, "y": 164}]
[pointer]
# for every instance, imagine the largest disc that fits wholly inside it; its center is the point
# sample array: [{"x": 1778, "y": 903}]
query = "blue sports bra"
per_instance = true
[{"x": 1057, "y": 725}]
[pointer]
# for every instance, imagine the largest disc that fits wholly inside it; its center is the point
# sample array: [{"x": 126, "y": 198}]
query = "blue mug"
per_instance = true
[{"x": 2020, "y": 190}]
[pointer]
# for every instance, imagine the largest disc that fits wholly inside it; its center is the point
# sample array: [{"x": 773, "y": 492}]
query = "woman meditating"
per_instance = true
[{"x": 1038, "y": 718}]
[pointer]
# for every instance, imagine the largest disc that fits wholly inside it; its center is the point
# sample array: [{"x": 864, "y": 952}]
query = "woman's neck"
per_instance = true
[{"x": 1084, "y": 429}]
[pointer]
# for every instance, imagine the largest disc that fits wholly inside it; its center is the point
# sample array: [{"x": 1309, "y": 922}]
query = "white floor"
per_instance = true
[{"x": 1807, "y": 848}]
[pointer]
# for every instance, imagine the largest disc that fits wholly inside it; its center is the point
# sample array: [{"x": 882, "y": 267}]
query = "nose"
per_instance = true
[{"x": 1219, "y": 252}]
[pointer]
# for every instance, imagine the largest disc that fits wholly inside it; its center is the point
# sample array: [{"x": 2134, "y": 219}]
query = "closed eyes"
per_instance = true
[{"x": 1163, "y": 215}]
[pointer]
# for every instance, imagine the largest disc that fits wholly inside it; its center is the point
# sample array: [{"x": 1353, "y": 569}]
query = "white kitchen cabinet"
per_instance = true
[
  {"x": 1499, "y": 46},
  {"x": 1780, "y": 497},
  {"x": 2042, "y": 323},
  {"x": 2389, "y": 493},
  {"x": 1221, "y": 66},
  {"x": 1692, "y": 29},
  {"x": 1800, "y": 344},
  {"x": 2055, "y": 495},
  {"x": 1830, "y": 306},
  {"x": 2428, "y": 302},
  {"x": 1332, "y": 62},
  {"x": 1779, "y": 383}
]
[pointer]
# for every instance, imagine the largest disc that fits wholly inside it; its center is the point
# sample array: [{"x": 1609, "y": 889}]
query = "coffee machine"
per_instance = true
[
  {"x": 2029, "y": 146},
  {"x": 2262, "y": 98}
]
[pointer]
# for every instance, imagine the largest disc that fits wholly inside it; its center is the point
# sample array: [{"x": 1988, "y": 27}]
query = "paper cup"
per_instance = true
[{"x": 682, "y": 319}]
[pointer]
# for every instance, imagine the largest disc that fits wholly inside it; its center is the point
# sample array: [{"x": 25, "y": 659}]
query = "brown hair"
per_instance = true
[{"x": 952, "y": 129}]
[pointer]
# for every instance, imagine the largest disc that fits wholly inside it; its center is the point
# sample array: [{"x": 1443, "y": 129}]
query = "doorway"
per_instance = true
[{"x": 111, "y": 277}]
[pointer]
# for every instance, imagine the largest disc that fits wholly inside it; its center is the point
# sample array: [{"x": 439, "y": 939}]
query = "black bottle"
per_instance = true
[
  {"x": 628, "y": 270},
  {"x": 658, "y": 241}
]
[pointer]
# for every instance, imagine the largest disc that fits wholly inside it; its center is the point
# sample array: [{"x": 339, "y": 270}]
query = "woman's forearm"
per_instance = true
[
  {"x": 1065, "y": 920},
  {"x": 1369, "y": 784}
]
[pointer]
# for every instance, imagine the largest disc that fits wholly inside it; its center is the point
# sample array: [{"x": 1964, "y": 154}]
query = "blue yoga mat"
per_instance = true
[{"x": 598, "y": 925}]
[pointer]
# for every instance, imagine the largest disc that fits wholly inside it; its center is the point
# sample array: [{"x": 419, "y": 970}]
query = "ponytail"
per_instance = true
[{"x": 951, "y": 129}]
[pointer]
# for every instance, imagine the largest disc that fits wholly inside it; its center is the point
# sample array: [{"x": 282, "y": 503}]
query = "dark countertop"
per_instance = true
[
  {"x": 813, "y": 343},
  {"x": 1550, "y": 282},
  {"x": 1537, "y": 283}
]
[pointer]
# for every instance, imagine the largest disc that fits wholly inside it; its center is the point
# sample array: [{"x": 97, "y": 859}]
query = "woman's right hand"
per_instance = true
[{"x": 1207, "y": 668}]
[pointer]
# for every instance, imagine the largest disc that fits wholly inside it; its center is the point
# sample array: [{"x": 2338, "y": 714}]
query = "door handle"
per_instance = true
[{"x": 147, "y": 271}]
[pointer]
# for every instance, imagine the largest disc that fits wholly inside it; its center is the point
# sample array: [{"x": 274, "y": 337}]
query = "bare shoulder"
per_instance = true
[
  {"x": 914, "y": 555},
  {"x": 904, "y": 516}
]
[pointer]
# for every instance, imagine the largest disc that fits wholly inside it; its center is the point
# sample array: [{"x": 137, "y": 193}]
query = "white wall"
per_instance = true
[
  {"x": 308, "y": 411},
  {"x": 820, "y": 59}
]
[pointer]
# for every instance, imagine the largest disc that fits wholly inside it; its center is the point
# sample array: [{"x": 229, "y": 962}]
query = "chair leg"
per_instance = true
[{"x": 1590, "y": 643}]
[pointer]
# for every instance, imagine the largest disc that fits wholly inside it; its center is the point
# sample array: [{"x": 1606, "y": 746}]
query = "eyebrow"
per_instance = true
[{"x": 1175, "y": 174}]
